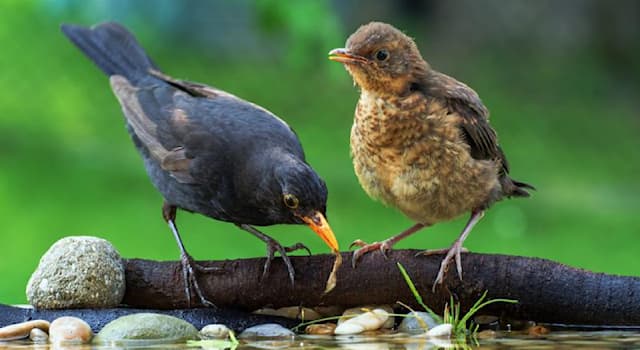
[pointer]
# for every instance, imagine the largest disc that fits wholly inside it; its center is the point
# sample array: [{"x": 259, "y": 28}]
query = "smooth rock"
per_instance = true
[
  {"x": 148, "y": 326},
  {"x": 39, "y": 336},
  {"x": 270, "y": 330},
  {"x": 78, "y": 272},
  {"x": 320, "y": 329},
  {"x": 70, "y": 330},
  {"x": 440, "y": 331},
  {"x": 415, "y": 322},
  {"x": 349, "y": 313},
  {"x": 22, "y": 330},
  {"x": 367, "y": 321},
  {"x": 214, "y": 331}
]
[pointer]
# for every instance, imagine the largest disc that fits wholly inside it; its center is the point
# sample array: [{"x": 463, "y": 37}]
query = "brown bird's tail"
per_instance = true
[
  {"x": 112, "y": 48},
  {"x": 513, "y": 188}
]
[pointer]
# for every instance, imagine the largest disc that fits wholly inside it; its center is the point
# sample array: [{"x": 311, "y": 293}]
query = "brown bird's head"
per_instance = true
[{"x": 381, "y": 58}]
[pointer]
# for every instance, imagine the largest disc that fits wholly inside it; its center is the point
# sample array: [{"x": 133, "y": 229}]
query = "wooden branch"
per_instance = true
[{"x": 547, "y": 291}]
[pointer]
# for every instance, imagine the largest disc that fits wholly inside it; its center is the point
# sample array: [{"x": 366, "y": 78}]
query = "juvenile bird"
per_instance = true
[
  {"x": 421, "y": 140},
  {"x": 207, "y": 151}
]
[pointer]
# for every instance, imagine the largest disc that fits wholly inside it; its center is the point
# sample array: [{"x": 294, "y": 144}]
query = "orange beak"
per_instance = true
[
  {"x": 319, "y": 225},
  {"x": 344, "y": 56}
]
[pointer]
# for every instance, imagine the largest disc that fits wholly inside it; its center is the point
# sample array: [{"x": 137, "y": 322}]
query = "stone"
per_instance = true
[
  {"x": 367, "y": 321},
  {"x": 349, "y": 313},
  {"x": 440, "y": 331},
  {"x": 147, "y": 326},
  {"x": 214, "y": 331},
  {"x": 78, "y": 272},
  {"x": 39, "y": 336},
  {"x": 415, "y": 322},
  {"x": 320, "y": 329},
  {"x": 267, "y": 330},
  {"x": 22, "y": 330},
  {"x": 70, "y": 330}
]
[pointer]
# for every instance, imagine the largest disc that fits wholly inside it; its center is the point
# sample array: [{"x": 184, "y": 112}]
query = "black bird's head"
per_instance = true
[
  {"x": 302, "y": 198},
  {"x": 381, "y": 58}
]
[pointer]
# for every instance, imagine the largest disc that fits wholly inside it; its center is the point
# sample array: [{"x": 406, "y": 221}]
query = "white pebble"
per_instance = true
[
  {"x": 37, "y": 335},
  {"x": 367, "y": 321},
  {"x": 440, "y": 331}
]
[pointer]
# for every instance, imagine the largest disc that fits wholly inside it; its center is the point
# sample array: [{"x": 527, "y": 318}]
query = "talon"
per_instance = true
[
  {"x": 190, "y": 281},
  {"x": 357, "y": 243}
]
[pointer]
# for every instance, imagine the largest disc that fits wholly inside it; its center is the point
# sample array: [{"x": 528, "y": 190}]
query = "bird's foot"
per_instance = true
[
  {"x": 452, "y": 253},
  {"x": 189, "y": 268},
  {"x": 274, "y": 246},
  {"x": 365, "y": 248}
]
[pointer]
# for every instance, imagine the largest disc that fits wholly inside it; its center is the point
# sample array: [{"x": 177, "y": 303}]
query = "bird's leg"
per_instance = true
[
  {"x": 272, "y": 247},
  {"x": 383, "y": 246},
  {"x": 188, "y": 264},
  {"x": 456, "y": 249}
]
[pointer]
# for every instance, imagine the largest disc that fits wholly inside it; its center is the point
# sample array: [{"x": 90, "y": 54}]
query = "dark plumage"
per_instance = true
[
  {"x": 421, "y": 140},
  {"x": 208, "y": 151}
]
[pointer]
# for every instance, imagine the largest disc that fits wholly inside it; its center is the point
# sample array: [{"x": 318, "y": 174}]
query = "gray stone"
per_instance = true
[
  {"x": 214, "y": 331},
  {"x": 78, "y": 272},
  {"x": 270, "y": 330},
  {"x": 412, "y": 325},
  {"x": 147, "y": 326}
]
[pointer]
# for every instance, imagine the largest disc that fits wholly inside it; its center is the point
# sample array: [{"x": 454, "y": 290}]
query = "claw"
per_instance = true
[
  {"x": 357, "y": 243},
  {"x": 365, "y": 248},
  {"x": 189, "y": 278},
  {"x": 272, "y": 247}
]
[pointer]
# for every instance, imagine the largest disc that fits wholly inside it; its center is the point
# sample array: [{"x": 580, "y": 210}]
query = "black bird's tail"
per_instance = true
[{"x": 112, "y": 48}]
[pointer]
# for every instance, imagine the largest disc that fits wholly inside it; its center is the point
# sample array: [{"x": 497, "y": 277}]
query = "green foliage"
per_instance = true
[{"x": 451, "y": 313}]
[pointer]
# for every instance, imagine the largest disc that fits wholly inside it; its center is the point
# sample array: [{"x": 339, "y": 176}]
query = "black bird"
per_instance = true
[{"x": 208, "y": 151}]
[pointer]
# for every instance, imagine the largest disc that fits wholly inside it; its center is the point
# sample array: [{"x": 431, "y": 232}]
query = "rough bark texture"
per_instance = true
[
  {"x": 97, "y": 318},
  {"x": 547, "y": 291}
]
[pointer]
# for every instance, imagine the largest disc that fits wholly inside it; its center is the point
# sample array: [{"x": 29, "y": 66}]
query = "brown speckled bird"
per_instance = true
[{"x": 421, "y": 140}]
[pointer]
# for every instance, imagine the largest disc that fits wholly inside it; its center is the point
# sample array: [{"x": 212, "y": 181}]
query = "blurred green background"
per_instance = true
[{"x": 561, "y": 78}]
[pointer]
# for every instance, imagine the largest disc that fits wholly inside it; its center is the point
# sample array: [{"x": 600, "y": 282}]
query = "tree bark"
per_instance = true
[{"x": 546, "y": 291}]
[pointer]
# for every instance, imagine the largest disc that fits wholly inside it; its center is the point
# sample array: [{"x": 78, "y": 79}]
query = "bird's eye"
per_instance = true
[
  {"x": 290, "y": 200},
  {"x": 382, "y": 55}
]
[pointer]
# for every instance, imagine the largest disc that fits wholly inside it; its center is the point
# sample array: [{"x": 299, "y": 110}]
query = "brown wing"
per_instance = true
[
  {"x": 172, "y": 158},
  {"x": 474, "y": 123}
]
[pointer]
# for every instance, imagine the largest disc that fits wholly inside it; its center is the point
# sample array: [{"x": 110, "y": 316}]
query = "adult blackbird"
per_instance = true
[
  {"x": 421, "y": 140},
  {"x": 208, "y": 151}
]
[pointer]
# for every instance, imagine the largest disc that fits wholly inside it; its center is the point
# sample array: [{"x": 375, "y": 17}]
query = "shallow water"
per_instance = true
[{"x": 502, "y": 340}]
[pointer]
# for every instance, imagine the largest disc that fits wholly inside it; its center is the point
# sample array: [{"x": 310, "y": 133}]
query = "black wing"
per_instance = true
[{"x": 182, "y": 124}]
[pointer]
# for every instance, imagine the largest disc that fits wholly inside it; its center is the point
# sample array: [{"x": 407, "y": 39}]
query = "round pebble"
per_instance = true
[
  {"x": 320, "y": 329},
  {"x": 70, "y": 330},
  {"x": 440, "y": 331},
  {"x": 349, "y": 313},
  {"x": 214, "y": 331},
  {"x": 147, "y": 326},
  {"x": 39, "y": 336},
  {"x": 267, "y": 330},
  {"x": 417, "y": 322},
  {"x": 367, "y": 321},
  {"x": 22, "y": 330},
  {"x": 78, "y": 272}
]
